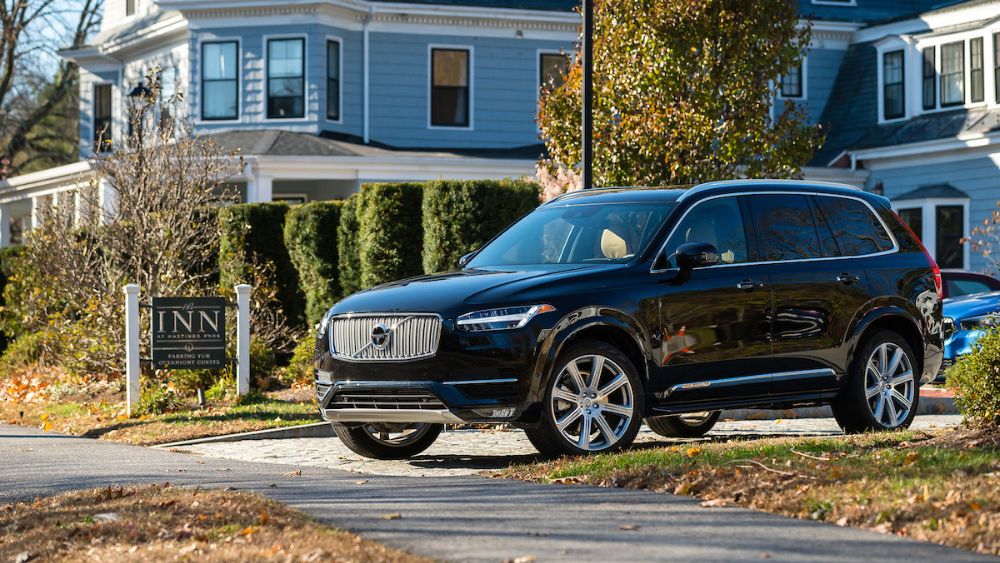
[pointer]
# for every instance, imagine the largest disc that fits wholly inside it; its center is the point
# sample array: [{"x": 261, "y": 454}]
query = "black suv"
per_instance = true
[{"x": 604, "y": 308}]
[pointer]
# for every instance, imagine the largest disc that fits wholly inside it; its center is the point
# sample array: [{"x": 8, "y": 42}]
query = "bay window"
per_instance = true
[
  {"x": 219, "y": 81},
  {"x": 333, "y": 80},
  {"x": 929, "y": 79},
  {"x": 102, "y": 117},
  {"x": 893, "y": 97},
  {"x": 953, "y": 74},
  {"x": 950, "y": 229},
  {"x": 286, "y": 91},
  {"x": 996, "y": 67},
  {"x": 976, "y": 78}
]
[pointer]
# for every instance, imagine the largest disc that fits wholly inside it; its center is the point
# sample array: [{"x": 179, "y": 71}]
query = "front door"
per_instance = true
[{"x": 715, "y": 320}]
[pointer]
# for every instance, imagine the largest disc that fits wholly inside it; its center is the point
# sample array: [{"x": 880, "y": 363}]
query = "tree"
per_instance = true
[
  {"x": 36, "y": 87},
  {"x": 683, "y": 94},
  {"x": 985, "y": 239},
  {"x": 146, "y": 218}
]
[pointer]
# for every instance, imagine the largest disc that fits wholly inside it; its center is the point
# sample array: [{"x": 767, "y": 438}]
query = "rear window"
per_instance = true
[{"x": 856, "y": 227}]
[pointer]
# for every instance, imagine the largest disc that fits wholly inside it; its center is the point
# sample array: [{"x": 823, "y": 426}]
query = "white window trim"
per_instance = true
[
  {"x": 305, "y": 78},
  {"x": 850, "y": 3},
  {"x": 472, "y": 87},
  {"x": 240, "y": 102},
  {"x": 93, "y": 113},
  {"x": 928, "y": 207},
  {"x": 888, "y": 46},
  {"x": 340, "y": 80},
  {"x": 805, "y": 83},
  {"x": 986, "y": 34}
]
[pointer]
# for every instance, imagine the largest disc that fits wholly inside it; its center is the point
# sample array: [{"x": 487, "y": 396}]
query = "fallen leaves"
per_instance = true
[
  {"x": 392, "y": 516},
  {"x": 630, "y": 527},
  {"x": 296, "y": 473}
]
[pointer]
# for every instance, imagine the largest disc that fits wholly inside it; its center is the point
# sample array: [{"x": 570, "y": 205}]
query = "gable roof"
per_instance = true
[{"x": 933, "y": 191}]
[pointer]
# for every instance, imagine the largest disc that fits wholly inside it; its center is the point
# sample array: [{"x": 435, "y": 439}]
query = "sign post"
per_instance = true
[
  {"x": 242, "y": 339},
  {"x": 131, "y": 347}
]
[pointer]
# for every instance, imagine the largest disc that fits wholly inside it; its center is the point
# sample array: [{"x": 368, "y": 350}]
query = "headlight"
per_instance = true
[
  {"x": 982, "y": 322},
  {"x": 501, "y": 319},
  {"x": 324, "y": 324}
]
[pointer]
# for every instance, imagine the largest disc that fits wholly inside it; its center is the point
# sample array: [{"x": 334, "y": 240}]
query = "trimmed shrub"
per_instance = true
[
  {"x": 311, "y": 239},
  {"x": 390, "y": 237},
  {"x": 975, "y": 378},
  {"x": 7, "y": 257},
  {"x": 348, "y": 254},
  {"x": 251, "y": 234},
  {"x": 461, "y": 216}
]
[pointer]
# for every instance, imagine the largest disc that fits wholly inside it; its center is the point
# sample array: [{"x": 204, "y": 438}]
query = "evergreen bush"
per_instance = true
[
  {"x": 348, "y": 254},
  {"x": 975, "y": 378},
  {"x": 390, "y": 234},
  {"x": 311, "y": 239}
]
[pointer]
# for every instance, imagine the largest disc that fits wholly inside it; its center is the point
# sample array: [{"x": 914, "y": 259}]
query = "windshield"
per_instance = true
[{"x": 576, "y": 234}]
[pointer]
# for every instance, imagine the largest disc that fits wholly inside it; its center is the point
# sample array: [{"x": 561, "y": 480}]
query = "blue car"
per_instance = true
[{"x": 966, "y": 320}]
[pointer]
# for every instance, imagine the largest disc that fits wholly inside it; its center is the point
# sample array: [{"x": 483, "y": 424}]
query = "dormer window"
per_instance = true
[
  {"x": 893, "y": 95},
  {"x": 953, "y": 74}
]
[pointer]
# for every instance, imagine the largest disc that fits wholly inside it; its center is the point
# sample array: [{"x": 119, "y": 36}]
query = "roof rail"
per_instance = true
[{"x": 709, "y": 186}]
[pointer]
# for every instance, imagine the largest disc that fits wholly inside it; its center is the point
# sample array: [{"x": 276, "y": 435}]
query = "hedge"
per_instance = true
[
  {"x": 461, "y": 216},
  {"x": 348, "y": 253},
  {"x": 390, "y": 235},
  {"x": 7, "y": 257},
  {"x": 252, "y": 233},
  {"x": 311, "y": 240}
]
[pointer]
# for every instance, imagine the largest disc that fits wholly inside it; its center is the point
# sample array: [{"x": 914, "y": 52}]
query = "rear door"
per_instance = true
[{"x": 817, "y": 290}]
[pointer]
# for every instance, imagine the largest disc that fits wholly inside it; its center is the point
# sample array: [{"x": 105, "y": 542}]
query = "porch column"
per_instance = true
[
  {"x": 36, "y": 212},
  {"x": 259, "y": 188},
  {"x": 108, "y": 198},
  {"x": 4, "y": 226}
]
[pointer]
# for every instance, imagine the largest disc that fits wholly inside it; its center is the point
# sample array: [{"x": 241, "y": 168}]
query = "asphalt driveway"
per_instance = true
[{"x": 464, "y": 518}]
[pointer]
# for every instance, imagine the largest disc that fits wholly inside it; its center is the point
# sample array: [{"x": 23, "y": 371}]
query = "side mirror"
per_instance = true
[
  {"x": 696, "y": 255},
  {"x": 466, "y": 259}
]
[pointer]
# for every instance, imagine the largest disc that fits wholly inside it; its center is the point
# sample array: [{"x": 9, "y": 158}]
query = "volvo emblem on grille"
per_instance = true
[{"x": 380, "y": 336}]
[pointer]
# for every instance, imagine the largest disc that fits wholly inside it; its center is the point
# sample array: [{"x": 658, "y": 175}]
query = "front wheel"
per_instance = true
[
  {"x": 882, "y": 390},
  {"x": 593, "y": 403},
  {"x": 380, "y": 440},
  {"x": 692, "y": 425}
]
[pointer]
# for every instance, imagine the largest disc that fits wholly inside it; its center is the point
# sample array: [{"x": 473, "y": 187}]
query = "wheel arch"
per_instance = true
[{"x": 895, "y": 320}]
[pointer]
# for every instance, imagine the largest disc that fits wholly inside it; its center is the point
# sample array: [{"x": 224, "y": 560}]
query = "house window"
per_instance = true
[
  {"x": 950, "y": 229},
  {"x": 892, "y": 85},
  {"x": 930, "y": 79},
  {"x": 286, "y": 88},
  {"x": 977, "y": 89},
  {"x": 914, "y": 219},
  {"x": 791, "y": 83},
  {"x": 333, "y": 80},
  {"x": 102, "y": 117},
  {"x": 219, "y": 83},
  {"x": 996, "y": 67},
  {"x": 450, "y": 87},
  {"x": 953, "y": 74},
  {"x": 552, "y": 69},
  {"x": 168, "y": 94},
  {"x": 129, "y": 7}
]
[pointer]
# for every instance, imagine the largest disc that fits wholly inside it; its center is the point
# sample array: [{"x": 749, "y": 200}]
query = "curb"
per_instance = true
[{"x": 312, "y": 430}]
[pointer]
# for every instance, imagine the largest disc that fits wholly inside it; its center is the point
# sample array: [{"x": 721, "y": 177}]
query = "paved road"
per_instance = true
[
  {"x": 468, "y": 452},
  {"x": 463, "y": 518}
]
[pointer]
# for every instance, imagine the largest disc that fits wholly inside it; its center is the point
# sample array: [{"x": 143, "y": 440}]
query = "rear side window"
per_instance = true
[
  {"x": 786, "y": 226},
  {"x": 855, "y": 225}
]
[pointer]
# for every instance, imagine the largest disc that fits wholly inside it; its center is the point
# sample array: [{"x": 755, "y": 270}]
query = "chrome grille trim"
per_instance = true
[
  {"x": 389, "y": 400},
  {"x": 413, "y": 336}
]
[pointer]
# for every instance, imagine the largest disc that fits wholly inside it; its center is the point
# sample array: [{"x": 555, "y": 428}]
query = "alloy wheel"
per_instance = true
[
  {"x": 592, "y": 402},
  {"x": 889, "y": 385},
  {"x": 396, "y": 435}
]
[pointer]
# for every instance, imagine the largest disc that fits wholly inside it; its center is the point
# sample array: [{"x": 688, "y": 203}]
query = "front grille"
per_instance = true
[
  {"x": 386, "y": 399},
  {"x": 410, "y": 337}
]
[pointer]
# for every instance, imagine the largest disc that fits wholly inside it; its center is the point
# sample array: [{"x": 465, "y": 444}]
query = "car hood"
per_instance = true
[
  {"x": 452, "y": 292},
  {"x": 972, "y": 305}
]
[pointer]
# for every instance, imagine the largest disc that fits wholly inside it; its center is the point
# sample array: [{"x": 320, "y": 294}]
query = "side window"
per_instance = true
[
  {"x": 786, "y": 227},
  {"x": 961, "y": 286},
  {"x": 855, "y": 226},
  {"x": 827, "y": 241},
  {"x": 717, "y": 222}
]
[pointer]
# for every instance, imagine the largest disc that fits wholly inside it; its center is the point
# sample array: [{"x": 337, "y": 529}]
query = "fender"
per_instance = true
[
  {"x": 875, "y": 312},
  {"x": 554, "y": 340}
]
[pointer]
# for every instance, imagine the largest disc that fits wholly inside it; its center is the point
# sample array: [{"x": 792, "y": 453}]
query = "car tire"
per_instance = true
[
  {"x": 605, "y": 415},
  {"x": 360, "y": 438},
  {"x": 879, "y": 386},
  {"x": 683, "y": 426}
]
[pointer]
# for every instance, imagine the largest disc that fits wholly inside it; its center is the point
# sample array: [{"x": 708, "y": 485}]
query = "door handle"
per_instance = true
[
  {"x": 747, "y": 285},
  {"x": 848, "y": 279}
]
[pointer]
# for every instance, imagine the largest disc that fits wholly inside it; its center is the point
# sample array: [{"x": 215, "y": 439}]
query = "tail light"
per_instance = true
[{"x": 938, "y": 284}]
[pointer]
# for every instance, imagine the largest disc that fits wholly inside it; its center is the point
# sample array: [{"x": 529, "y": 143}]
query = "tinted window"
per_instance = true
[
  {"x": 786, "y": 227},
  {"x": 960, "y": 286},
  {"x": 950, "y": 231},
  {"x": 717, "y": 222},
  {"x": 857, "y": 229},
  {"x": 826, "y": 239}
]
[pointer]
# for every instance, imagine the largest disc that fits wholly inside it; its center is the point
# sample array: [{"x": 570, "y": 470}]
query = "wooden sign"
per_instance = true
[{"x": 189, "y": 332}]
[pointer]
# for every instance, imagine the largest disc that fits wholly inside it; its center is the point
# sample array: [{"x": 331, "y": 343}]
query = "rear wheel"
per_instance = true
[
  {"x": 692, "y": 425},
  {"x": 882, "y": 391},
  {"x": 380, "y": 440},
  {"x": 593, "y": 403}
]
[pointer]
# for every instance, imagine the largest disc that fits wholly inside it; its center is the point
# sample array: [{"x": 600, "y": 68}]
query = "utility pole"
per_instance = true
[{"x": 587, "y": 52}]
